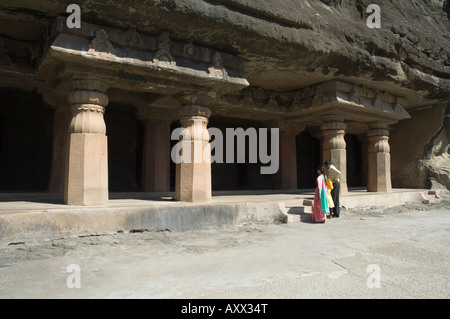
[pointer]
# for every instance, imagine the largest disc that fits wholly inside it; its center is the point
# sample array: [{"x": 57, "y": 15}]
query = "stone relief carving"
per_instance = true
[
  {"x": 131, "y": 38},
  {"x": 314, "y": 96},
  {"x": 319, "y": 98},
  {"x": 246, "y": 98},
  {"x": 100, "y": 45},
  {"x": 399, "y": 107},
  {"x": 366, "y": 93},
  {"x": 163, "y": 55},
  {"x": 356, "y": 95},
  {"x": 387, "y": 98},
  {"x": 189, "y": 48},
  {"x": 4, "y": 57},
  {"x": 272, "y": 104},
  {"x": 378, "y": 104},
  {"x": 296, "y": 104},
  {"x": 217, "y": 69}
]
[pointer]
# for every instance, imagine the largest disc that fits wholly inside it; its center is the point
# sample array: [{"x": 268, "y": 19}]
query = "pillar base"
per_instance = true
[
  {"x": 87, "y": 170},
  {"x": 194, "y": 182},
  {"x": 379, "y": 179}
]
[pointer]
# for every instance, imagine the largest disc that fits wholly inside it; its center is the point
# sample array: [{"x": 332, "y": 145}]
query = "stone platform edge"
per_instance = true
[
  {"x": 25, "y": 227},
  {"x": 48, "y": 224}
]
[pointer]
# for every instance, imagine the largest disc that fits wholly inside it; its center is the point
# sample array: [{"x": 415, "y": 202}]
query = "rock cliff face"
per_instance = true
[
  {"x": 420, "y": 149},
  {"x": 290, "y": 44}
]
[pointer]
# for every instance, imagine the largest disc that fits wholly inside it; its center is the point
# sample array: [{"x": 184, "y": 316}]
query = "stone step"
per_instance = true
[
  {"x": 297, "y": 210},
  {"x": 433, "y": 196}
]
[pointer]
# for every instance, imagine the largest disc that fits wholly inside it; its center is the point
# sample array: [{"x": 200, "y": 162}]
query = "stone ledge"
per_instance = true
[{"x": 56, "y": 223}]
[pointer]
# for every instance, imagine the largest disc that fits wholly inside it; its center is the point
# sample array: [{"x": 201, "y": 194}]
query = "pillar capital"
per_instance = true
[
  {"x": 194, "y": 98},
  {"x": 88, "y": 83},
  {"x": 378, "y": 140},
  {"x": 333, "y": 122},
  {"x": 88, "y": 102},
  {"x": 191, "y": 110}
]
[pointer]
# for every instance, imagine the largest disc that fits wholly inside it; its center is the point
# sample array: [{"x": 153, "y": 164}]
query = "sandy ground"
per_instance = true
[{"x": 405, "y": 249}]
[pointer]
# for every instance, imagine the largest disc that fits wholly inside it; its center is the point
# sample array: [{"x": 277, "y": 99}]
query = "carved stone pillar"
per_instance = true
[
  {"x": 87, "y": 164},
  {"x": 334, "y": 146},
  {"x": 193, "y": 174},
  {"x": 286, "y": 178},
  {"x": 379, "y": 159}
]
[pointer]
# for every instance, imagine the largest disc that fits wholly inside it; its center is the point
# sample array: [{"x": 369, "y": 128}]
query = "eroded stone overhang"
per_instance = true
[
  {"x": 307, "y": 106},
  {"x": 130, "y": 61}
]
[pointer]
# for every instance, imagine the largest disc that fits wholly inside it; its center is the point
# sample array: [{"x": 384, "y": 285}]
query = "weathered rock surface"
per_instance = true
[
  {"x": 287, "y": 44},
  {"x": 420, "y": 149}
]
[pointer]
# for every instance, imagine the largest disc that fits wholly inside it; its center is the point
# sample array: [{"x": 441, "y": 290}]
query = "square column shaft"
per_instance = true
[
  {"x": 87, "y": 159},
  {"x": 379, "y": 159}
]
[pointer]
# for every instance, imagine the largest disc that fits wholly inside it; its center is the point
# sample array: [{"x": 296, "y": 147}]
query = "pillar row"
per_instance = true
[
  {"x": 379, "y": 159},
  {"x": 334, "y": 146},
  {"x": 193, "y": 174},
  {"x": 87, "y": 159}
]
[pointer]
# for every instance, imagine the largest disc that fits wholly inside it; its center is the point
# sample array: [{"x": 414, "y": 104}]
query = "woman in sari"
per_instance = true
[{"x": 320, "y": 208}]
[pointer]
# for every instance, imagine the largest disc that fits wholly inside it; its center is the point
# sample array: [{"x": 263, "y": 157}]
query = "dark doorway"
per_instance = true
[
  {"x": 308, "y": 158},
  {"x": 238, "y": 176},
  {"x": 124, "y": 132},
  {"x": 26, "y": 124}
]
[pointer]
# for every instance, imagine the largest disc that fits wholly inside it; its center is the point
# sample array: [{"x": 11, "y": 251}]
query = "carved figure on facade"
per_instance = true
[
  {"x": 246, "y": 98},
  {"x": 378, "y": 104},
  {"x": 297, "y": 104},
  {"x": 131, "y": 38},
  {"x": 356, "y": 95},
  {"x": 272, "y": 104},
  {"x": 163, "y": 55},
  {"x": 400, "y": 108},
  {"x": 217, "y": 69},
  {"x": 319, "y": 98},
  {"x": 100, "y": 45},
  {"x": 189, "y": 48}
]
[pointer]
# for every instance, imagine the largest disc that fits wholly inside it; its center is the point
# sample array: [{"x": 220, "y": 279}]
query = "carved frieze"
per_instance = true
[
  {"x": 378, "y": 100},
  {"x": 264, "y": 100}
]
